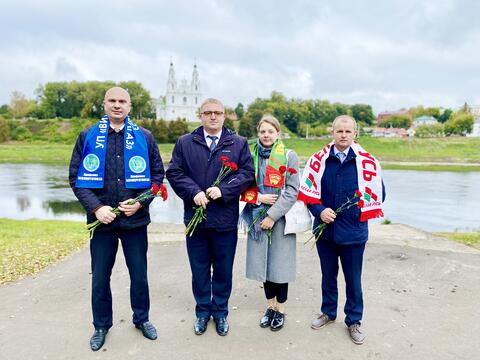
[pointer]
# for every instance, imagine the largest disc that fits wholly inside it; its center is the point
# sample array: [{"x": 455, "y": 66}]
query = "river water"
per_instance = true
[{"x": 432, "y": 201}]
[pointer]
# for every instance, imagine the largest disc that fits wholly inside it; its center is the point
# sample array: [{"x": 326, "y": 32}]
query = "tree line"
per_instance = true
[
  {"x": 84, "y": 100},
  {"x": 299, "y": 116},
  {"x": 76, "y": 99}
]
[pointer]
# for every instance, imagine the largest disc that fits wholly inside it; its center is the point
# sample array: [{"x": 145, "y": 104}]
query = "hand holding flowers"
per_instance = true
[
  {"x": 128, "y": 206},
  {"x": 329, "y": 217},
  {"x": 267, "y": 223},
  {"x": 213, "y": 193}
]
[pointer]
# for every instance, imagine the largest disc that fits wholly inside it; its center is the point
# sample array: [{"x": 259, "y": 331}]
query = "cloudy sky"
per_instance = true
[{"x": 390, "y": 53}]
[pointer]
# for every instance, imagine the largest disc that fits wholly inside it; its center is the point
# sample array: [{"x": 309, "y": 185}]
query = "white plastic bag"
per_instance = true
[{"x": 297, "y": 219}]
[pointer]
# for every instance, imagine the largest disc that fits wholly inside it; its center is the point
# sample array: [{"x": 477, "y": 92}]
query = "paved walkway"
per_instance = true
[{"x": 421, "y": 302}]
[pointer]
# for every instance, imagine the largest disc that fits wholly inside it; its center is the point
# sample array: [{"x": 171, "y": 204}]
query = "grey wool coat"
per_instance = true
[{"x": 276, "y": 262}]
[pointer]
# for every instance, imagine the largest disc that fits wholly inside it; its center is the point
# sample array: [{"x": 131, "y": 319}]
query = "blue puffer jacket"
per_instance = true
[
  {"x": 339, "y": 182},
  {"x": 193, "y": 169},
  {"x": 114, "y": 190}
]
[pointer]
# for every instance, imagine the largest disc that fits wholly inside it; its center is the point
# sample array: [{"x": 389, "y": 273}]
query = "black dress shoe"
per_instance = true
[
  {"x": 277, "y": 321},
  {"x": 148, "y": 330},
  {"x": 200, "y": 325},
  {"x": 266, "y": 320},
  {"x": 98, "y": 339},
  {"x": 221, "y": 325}
]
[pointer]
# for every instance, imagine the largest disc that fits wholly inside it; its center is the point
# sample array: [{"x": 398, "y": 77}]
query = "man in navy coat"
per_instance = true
[
  {"x": 130, "y": 227},
  {"x": 194, "y": 166},
  {"x": 346, "y": 235}
]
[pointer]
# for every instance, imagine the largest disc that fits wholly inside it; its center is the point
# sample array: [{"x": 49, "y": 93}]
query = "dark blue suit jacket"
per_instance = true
[
  {"x": 114, "y": 190},
  {"x": 339, "y": 182},
  {"x": 193, "y": 168}
]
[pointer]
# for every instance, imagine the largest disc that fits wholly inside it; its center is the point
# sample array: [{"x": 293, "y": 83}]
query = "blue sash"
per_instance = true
[{"x": 135, "y": 153}]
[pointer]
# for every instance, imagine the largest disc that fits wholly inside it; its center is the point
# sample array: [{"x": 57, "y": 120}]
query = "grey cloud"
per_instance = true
[{"x": 387, "y": 53}]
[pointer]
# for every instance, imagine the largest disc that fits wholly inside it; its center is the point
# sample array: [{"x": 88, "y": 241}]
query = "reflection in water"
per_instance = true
[
  {"x": 432, "y": 201},
  {"x": 23, "y": 203},
  {"x": 63, "y": 207}
]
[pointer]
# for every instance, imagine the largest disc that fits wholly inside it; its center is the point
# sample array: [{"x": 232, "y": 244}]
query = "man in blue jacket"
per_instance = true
[
  {"x": 195, "y": 165},
  {"x": 112, "y": 163},
  {"x": 342, "y": 172}
]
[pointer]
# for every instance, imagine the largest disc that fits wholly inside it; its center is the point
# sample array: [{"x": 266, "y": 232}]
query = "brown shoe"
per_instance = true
[
  {"x": 356, "y": 334},
  {"x": 320, "y": 321}
]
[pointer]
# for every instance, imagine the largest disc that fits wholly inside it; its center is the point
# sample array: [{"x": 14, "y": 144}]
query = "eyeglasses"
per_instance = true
[{"x": 209, "y": 113}]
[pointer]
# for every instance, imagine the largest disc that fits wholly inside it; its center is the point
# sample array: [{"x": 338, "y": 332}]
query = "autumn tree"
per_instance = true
[
  {"x": 20, "y": 105},
  {"x": 460, "y": 123},
  {"x": 397, "y": 121}
]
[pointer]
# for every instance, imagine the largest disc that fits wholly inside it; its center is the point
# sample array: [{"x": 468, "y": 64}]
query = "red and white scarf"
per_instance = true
[{"x": 369, "y": 174}]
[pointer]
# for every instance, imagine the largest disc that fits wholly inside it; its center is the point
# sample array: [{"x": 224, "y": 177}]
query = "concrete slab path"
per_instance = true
[{"x": 421, "y": 297}]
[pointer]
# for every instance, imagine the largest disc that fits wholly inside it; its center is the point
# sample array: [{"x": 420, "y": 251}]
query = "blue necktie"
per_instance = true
[
  {"x": 214, "y": 141},
  {"x": 341, "y": 156}
]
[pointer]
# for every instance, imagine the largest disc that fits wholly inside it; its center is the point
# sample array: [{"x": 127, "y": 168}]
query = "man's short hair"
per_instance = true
[
  {"x": 344, "y": 118},
  {"x": 211, "y": 101}
]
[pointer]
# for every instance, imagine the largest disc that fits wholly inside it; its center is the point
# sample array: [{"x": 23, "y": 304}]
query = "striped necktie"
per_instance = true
[{"x": 214, "y": 141}]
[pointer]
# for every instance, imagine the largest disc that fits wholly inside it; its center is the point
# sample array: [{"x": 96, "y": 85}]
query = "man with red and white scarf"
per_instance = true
[{"x": 334, "y": 175}]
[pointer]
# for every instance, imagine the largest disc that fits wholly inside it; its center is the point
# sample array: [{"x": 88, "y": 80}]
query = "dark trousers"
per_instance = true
[
  {"x": 211, "y": 254},
  {"x": 276, "y": 290},
  {"x": 103, "y": 250},
  {"x": 351, "y": 258}
]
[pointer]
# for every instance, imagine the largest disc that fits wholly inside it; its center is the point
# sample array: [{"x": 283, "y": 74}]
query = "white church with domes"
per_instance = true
[{"x": 180, "y": 101}]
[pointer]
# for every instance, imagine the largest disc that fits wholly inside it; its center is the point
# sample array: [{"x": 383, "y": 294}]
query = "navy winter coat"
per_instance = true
[
  {"x": 339, "y": 182},
  {"x": 114, "y": 191},
  {"x": 193, "y": 169}
]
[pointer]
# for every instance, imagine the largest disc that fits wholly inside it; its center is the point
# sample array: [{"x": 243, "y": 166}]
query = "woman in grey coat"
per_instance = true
[{"x": 271, "y": 255}]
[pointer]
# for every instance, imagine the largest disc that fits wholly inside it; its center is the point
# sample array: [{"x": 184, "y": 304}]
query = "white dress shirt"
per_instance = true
[{"x": 208, "y": 140}]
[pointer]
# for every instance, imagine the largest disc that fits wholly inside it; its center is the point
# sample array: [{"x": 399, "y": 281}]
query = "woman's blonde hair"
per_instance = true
[{"x": 269, "y": 119}]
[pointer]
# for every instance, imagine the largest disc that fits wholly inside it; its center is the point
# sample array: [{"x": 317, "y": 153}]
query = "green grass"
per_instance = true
[
  {"x": 411, "y": 154},
  {"x": 19, "y": 152},
  {"x": 430, "y": 167},
  {"x": 471, "y": 239},
  {"x": 450, "y": 149},
  {"x": 51, "y": 153},
  {"x": 28, "y": 246}
]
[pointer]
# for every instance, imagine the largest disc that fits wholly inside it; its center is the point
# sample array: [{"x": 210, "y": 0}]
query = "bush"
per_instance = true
[
  {"x": 397, "y": 121},
  {"x": 430, "y": 131},
  {"x": 50, "y": 132},
  {"x": 229, "y": 124},
  {"x": 158, "y": 128},
  {"x": 316, "y": 130},
  {"x": 459, "y": 124},
  {"x": 21, "y": 133},
  {"x": 4, "y": 130},
  {"x": 246, "y": 128},
  {"x": 176, "y": 129}
]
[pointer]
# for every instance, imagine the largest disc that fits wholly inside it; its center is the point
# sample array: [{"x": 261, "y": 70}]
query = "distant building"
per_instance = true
[
  {"x": 424, "y": 120},
  {"x": 476, "y": 128},
  {"x": 180, "y": 101},
  {"x": 475, "y": 110},
  {"x": 391, "y": 132}
]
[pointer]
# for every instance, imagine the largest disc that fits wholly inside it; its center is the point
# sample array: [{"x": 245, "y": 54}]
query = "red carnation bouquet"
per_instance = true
[
  {"x": 355, "y": 200},
  {"x": 200, "y": 215},
  {"x": 154, "y": 191}
]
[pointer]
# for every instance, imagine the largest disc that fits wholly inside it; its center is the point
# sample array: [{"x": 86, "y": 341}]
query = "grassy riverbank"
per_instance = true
[
  {"x": 28, "y": 246},
  {"x": 471, "y": 239},
  {"x": 445, "y": 154},
  {"x": 50, "y": 153}
]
